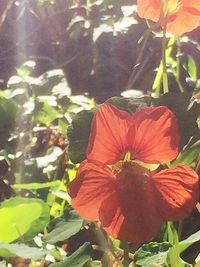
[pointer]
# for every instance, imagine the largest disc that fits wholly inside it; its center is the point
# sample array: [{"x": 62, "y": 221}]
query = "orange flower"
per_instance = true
[
  {"x": 118, "y": 184},
  {"x": 181, "y": 15}
]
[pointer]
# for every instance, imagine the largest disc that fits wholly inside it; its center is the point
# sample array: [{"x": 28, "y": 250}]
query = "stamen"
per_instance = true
[{"x": 127, "y": 156}]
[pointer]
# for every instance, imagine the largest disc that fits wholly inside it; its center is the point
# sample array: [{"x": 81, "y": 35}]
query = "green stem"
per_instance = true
[
  {"x": 126, "y": 254},
  {"x": 88, "y": 8},
  {"x": 178, "y": 67},
  {"x": 165, "y": 78}
]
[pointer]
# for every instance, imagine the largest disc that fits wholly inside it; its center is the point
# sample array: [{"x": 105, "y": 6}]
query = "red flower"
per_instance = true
[
  {"x": 118, "y": 186},
  {"x": 182, "y": 15}
]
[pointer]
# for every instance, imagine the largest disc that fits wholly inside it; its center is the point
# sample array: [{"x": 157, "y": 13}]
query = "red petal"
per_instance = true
[
  {"x": 191, "y": 3},
  {"x": 149, "y": 9},
  {"x": 130, "y": 215},
  {"x": 154, "y": 136},
  {"x": 179, "y": 190},
  {"x": 90, "y": 188},
  {"x": 185, "y": 20},
  {"x": 108, "y": 134},
  {"x": 134, "y": 213}
]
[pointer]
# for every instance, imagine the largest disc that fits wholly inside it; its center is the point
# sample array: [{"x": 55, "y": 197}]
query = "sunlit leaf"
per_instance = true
[
  {"x": 26, "y": 69},
  {"x": 189, "y": 241},
  {"x": 178, "y": 248},
  {"x": 46, "y": 114},
  {"x": 50, "y": 158},
  {"x": 192, "y": 67},
  {"x": 188, "y": 155},
  {"x": 44, "y": 84},
  {"x": 61, "y": 194},
  {"x": 20, "y": 216},
  {"x": 35, "y": 186}
]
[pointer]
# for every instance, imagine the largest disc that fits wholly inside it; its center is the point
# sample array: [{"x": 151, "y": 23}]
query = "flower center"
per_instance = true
[{"x": 132, "y": 173}]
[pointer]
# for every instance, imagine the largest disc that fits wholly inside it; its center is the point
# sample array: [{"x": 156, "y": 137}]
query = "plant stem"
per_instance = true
[
  {"x": 107, "y": 244},
  {"x": 126, "y": 254},
  {"x": 164, "y": 45},
  {"x": 178, "y": 66}
]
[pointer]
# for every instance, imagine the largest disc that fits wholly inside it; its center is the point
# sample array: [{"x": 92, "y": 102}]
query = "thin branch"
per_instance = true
[{"x": 5, "y": 13}]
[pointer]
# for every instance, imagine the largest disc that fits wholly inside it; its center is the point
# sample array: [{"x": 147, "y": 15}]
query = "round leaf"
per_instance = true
[{"x": 20, "y": 216}]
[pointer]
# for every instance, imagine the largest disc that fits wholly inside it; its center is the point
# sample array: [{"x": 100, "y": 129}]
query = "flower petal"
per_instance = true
[
  {"x": 154, "y": 136},
  {"x": 180, "y": 191},
  {"x": 92, "y": 185},
  {"x": 191, "y": 3},
  {"x": 108, "y": 134},
  {"x": 185, "y": 20},
  {"x": 149, "y": 9},
  {"x": 133, "y": 214}
]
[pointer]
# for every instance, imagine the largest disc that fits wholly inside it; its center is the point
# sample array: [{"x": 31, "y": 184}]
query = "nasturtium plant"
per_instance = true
[{"x": 99, "y": 130}]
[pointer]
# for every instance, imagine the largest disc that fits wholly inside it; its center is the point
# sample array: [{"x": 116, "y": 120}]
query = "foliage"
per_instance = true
[{"x": 46, "y": 110}]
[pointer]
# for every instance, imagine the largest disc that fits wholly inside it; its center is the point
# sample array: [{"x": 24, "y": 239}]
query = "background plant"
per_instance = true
[{"x": 77, "y": 54}]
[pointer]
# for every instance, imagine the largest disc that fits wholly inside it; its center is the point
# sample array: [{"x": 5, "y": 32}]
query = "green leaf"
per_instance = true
[
  {"x": 44, "y": 161},
  {"x": 78, "y": 258},
  {"x": 61, "y": 194},
  {"x": 36, "y": 186},
  {"x": 8, "y": 113},
  {"x": 30, "y": 173},
  {"x": 192, "y": 67},
  {"x": 152, "y": 253},
  {"x": 188, "y": 156},
  {"x": 63, "y": 124},
  {"x": 78, "y": 135},
  {"x": 15, "y": 82},
  {"x": 21, "y": 250},
  {"x": 20, "y": 216},
  {"x": 65, "y": 229},
  {"x": 171, "y": 233},
  {"x": 179, "y": 104},
  {"x": 44, "y": 84},
  {"x": 189, "y": 241},
  {"x": 178, "y": 248},
  {"x": 46, "y": 114},
  {"x": 129, "y": 104},
  {"x": 26, "y": 69}
]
